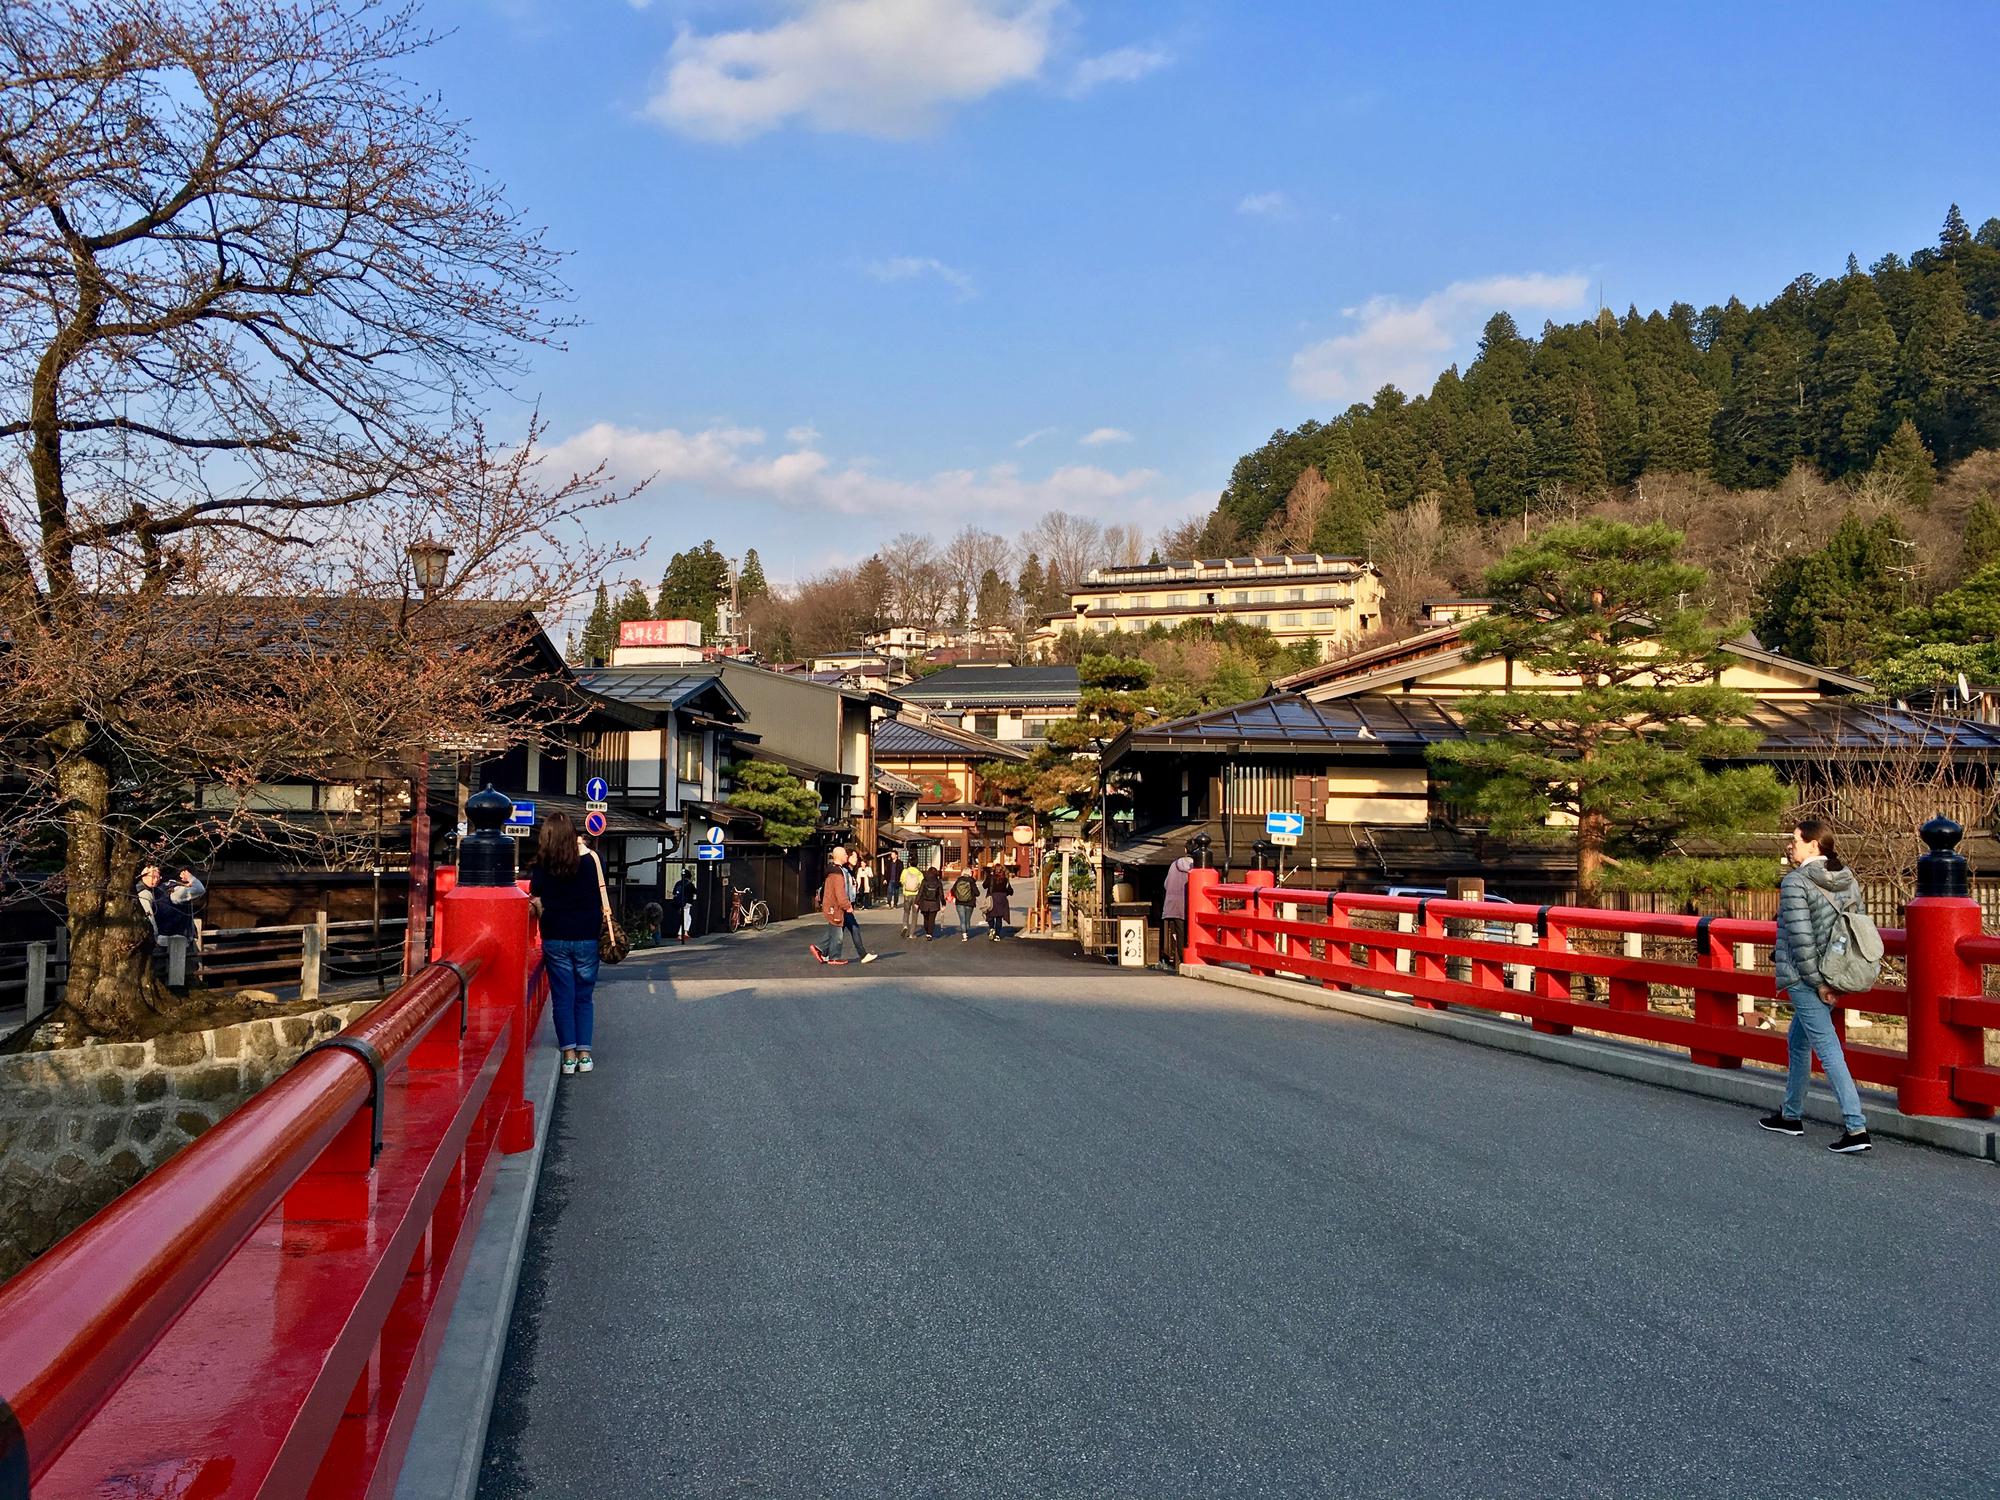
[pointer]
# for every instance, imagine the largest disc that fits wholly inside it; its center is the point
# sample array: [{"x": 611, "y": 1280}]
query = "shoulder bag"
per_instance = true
[{"x": 612, "y": 944}]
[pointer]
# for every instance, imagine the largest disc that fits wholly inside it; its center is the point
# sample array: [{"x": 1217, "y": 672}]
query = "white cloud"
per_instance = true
[
  {"x": 1097, "y": 437},
  {"x": 1036, "y": 436},
  {"x": 1272, "y": 205},
  {"x": 874, "y": 67},
  {"x": 1120, "y": 65},
  {"x": 801, "y": 435},
  {"x": 915, "y": 267},
  {"x": 1408, "y": 346},
  {"x": 727, "y": 463}
]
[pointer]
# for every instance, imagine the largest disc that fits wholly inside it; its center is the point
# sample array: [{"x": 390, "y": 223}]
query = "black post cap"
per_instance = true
[
  {"x": 1263, "y": 855},
  {"x": 486, "y": 854},
  {"x": 1201, "y": 849},
  {"x": 1943, "y": 871}
]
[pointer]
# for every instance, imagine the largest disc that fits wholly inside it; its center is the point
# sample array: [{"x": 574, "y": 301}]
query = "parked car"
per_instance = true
[{"x": 1492, "y": 932}]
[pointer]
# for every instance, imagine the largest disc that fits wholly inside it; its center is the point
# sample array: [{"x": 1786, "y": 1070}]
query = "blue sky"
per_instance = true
[{"x": 854, "y": 267}]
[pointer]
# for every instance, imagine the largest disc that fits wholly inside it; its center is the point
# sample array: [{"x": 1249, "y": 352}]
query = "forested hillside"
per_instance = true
[{"x": 1901, "y": 359}]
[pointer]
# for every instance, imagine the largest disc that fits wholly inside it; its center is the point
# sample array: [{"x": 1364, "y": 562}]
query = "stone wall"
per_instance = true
[{"x": 80, "y": 1125}]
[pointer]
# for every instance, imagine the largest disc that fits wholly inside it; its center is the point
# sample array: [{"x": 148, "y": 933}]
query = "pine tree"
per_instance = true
[
  {"x": 1981, "y": 543},
  {"x": 995, "y": 604},
  {"x": 1906, "y": 463},
  {"x": 790, "y": 809},
  {"x": 636, "y": 605},
  {"x": 1629, "y": 758},
  {"x": 1957, "y": 634},
  {"x": 696, "y": 582},
  {"x": 751, "y": 584}
]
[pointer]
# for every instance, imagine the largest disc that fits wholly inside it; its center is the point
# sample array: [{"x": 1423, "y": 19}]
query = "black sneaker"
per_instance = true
[
  {"x": 1850, "y": 1142},
  {"x": 1784, "y": 1124}
]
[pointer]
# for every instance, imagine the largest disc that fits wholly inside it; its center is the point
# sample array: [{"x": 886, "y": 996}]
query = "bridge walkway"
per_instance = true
[{"x": 982, "y": 1219}]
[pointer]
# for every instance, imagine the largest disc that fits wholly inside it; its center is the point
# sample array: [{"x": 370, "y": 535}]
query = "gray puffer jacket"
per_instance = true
[{"x": 1809, "y": 898}]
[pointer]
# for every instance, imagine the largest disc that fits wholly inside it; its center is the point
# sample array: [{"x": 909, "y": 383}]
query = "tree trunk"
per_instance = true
[
  {"x": 1591, "y": 828},
  {"x": 112, "y": 989}
]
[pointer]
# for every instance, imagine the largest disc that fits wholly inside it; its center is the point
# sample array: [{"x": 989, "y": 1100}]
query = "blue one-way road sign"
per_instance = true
[
  {"x": 1284, "y": 824},
  {"x": 523, "y": 815},
  {"x": 708, "y": 851},
  {"x": 595, "y": 790}
]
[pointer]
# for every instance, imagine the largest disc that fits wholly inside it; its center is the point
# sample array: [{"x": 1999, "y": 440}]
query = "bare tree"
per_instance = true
[
  {"x": 1124, "y": 545},
  {"x": 971, "y": 555},
  {"x": 919, "y": 581},
  {"x": 1296, "y": 523},
  {"x": 251, "y": 286},
  {"x": 1182, "y": 542},
  {"x": 1410, "y": 546},
  {"x": 1068, "y": 545}
]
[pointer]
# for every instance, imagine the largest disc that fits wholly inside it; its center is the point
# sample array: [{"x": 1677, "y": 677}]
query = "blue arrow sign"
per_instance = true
[
  {"x": 707, "y": 852},
  {"x": 1287, "y": 823},
  {"x": 523, "y": 815},
  {"x": 595, "y": 789}
]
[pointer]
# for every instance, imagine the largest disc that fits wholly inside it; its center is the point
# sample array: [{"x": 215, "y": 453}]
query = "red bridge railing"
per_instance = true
[
  {"x": 1440, "y": 953},
  {"x": 260, "y": 1316}
]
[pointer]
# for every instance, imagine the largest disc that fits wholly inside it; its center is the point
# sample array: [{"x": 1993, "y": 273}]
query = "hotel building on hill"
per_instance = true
[{"x": 1295, "y": 595}]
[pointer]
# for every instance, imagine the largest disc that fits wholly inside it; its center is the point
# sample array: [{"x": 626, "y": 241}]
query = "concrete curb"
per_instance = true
[
  {"x": 1977, "y": 1138},
  {"x": 449, "y": 1442}
]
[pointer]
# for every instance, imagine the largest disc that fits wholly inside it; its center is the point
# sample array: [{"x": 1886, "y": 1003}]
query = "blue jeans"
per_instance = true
[
  {"x": 964, "y": 918},
  {"x": 572, "y": 966},
  {"x": 1812, "y": 1031}
]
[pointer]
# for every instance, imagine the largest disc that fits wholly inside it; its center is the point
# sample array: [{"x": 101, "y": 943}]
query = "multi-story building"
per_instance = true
[{"x": 1297, "y": 596}]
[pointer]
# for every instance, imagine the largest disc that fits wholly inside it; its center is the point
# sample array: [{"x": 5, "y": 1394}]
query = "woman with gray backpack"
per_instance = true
[{"x": 1823, "y": 946}]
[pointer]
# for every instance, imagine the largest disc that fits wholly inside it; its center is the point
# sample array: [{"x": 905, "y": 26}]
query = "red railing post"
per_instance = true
[
  {"x": 1551, "y": 983},
  {"x": 1262, "y": 947},
  {"x": 1200, "y": 911},
  {"x": 1425, "y": 965},
  {"x": 1712, "y": 1007},
  {"x": 1942, "y": 914}
]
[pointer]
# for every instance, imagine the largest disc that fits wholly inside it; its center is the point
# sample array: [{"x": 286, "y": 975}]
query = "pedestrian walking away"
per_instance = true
[
  {"x": 930, "y": 900},
  {"x": 684, "y": 905},
  {"x": 1810, "y": 899},
  {"x": 998, "y": 889},
  {"x": 836, "y": 904},
  {"x": 910, "y": 882},
  {"x": 1173, "y": 914},
  {"x": 566, "y": 899},
  {"x": 965, "y": 896}
]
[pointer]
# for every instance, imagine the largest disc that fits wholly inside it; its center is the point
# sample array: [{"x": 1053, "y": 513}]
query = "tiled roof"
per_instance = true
[
  {"x": 1287, "y": 722},
  {"x": 889, "y": 781},
  {"x": 907, "y": 737},
  {"x": 657, "y": 687}
]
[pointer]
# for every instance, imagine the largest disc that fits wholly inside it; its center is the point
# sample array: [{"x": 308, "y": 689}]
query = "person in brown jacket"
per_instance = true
[{"x": 837, "y": 905}]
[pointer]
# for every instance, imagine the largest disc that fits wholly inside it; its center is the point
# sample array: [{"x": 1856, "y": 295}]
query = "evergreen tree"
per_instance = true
[
  {"x": 1831, "y": 606},
  {"x": 600, "y": 631},
  {"x": 636, "y": 605},
  {"x": 995, "y": 600},
  {"x": 1954, "y": 236},
  {"x": 1636, "y": 756},
  {"x": 751, "y": 584},
  {"x": 1981, "y": 542},
  {"x": 696, "y": 581},
  {"x": 1957, "y": 634},
  {"x": 1906, "y": 463},
  {"x": 790, "y": 809}
]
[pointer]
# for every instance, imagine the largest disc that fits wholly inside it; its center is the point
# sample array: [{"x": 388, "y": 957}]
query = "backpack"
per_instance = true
[
  {"x": 1851, "y": 961},
  {"x": 965, "y": 890}
]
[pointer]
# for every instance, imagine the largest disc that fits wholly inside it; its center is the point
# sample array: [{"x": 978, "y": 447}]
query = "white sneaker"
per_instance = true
[
  {"x": 583, "y": 1063},
  {"x": 568, "y": 1066},
  {"x": 869, "y": 958}
]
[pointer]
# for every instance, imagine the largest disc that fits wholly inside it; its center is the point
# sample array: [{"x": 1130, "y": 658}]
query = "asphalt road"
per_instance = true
[{"x": 986, "y": 1220}]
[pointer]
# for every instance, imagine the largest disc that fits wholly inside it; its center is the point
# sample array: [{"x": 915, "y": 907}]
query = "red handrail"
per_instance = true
[
  {"x": 77, "y": 1326},
  {"x": 1941, "y": 1072}
]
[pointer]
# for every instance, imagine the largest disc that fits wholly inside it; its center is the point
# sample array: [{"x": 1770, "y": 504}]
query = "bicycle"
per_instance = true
[{"x": 754, "y": 916}]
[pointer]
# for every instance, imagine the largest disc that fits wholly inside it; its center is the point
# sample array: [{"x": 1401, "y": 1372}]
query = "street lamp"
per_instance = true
[{"x": 431, "y": 562}]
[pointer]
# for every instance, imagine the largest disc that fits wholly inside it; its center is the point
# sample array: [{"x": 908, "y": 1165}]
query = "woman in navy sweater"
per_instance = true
[{"x": 566, "y": 900}]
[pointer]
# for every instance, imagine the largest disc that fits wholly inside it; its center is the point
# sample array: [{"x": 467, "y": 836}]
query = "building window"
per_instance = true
[
  {"x": 986, "y": 724},
  {"x": 607, "y": 758},
  {"x": 690, "y": 753},
  {"x": 1292, "y": 596},
  {"x": 1240, "y": 597},
  {"x": 1327, "y": 594},
  {"x": 1323, "y": 617},
  {"x": 1264, "y": 596},
  {"x": 1291, "y": 619},
  {"x": 1034, "y": 729},
  {"x": 1179, "y": 601},
  {"x": 1263, "y": 620}
]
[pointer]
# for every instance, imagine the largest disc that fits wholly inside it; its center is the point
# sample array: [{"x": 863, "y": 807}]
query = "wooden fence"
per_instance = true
[{"x": 311, "y": 956}]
